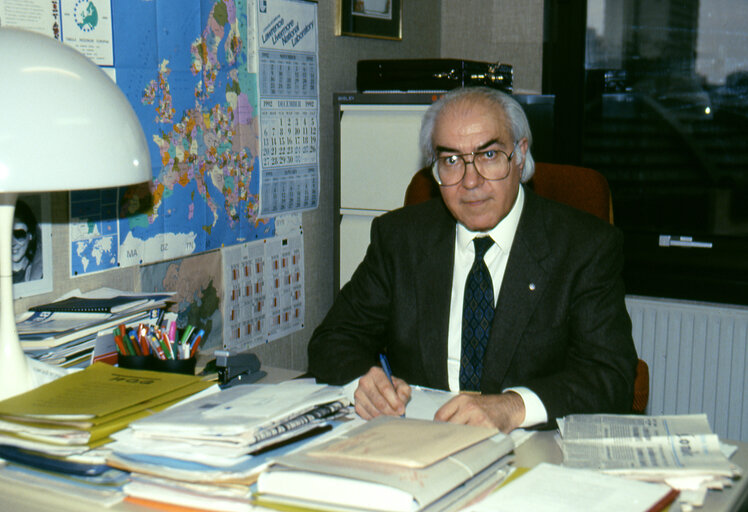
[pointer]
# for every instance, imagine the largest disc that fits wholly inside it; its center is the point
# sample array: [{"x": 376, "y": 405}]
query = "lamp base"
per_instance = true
[{"x": 15, "y": 375}]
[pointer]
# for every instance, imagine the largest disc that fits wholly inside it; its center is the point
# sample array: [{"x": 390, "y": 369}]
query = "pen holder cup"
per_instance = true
[
  {"x": 134, "y": 362},
  {"x": 185, "y": 366}
]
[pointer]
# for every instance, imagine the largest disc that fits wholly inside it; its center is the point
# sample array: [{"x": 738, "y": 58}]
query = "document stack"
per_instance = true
[
  {"x": 205, "y": 453},
  {"x": 64, "y": 333},
  {"x": 54, "y": 435},
  {"x": 552, "y": 488},
  {"x": 390, "y": 464},
  {"x": 680, "y": 450}
]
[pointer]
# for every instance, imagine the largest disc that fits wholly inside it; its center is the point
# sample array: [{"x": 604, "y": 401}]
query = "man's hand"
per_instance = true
[
  {"x": 375, "y": 395},
  {"x": 505, "y": 411}
]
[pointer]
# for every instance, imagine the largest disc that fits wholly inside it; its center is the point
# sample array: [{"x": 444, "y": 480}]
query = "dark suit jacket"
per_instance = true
[{"x": 567, "y": 338}]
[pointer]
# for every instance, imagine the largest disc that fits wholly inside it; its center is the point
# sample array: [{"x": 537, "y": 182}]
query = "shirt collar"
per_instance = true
[{"x": 502, "y": 233}]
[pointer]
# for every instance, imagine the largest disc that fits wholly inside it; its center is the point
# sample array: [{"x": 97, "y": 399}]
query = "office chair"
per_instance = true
[{"x": 579, "y": 187}]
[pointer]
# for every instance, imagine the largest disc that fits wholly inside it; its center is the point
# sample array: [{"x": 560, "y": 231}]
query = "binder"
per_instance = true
[{"x": 364, "y": 481}]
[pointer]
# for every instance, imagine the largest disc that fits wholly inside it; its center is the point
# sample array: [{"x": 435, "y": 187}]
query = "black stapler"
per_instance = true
[{"x": 243, "y": 368}]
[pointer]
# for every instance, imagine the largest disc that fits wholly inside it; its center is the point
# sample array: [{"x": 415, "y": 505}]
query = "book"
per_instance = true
[
  {"x": 375, "y": 479},
  {"x": 65, "y": 318},
  {"x": 50, "y": 330},
  {"x": 551, "y": 488},
  {"x": 411, "y": 444},
  {"x": 93, "y": 304}
]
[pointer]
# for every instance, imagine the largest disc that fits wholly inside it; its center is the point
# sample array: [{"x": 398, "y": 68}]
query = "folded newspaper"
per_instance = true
[{"x": 646, "y": 447}]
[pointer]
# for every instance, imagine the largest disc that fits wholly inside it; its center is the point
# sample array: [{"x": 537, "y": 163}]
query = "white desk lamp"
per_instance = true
[{"x": 64, "y": 125}]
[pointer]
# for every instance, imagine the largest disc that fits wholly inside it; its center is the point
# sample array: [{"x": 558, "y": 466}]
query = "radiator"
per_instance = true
[{"x": 697, "y": 355}]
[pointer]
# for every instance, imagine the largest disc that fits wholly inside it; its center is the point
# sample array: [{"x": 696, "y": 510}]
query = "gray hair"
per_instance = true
[{"x": 519, "y": 125}]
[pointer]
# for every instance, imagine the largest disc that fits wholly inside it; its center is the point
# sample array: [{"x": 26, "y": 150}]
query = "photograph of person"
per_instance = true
[
  {"x": 26, "y": 247},
  {"x": 31, "y": 246}
]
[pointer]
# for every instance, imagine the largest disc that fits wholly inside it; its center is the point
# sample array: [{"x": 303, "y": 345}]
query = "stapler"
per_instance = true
[{"x": 242, "y": 368}]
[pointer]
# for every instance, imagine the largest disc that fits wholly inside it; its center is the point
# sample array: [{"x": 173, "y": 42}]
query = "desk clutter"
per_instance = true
[
  {"x": 76, "y": 330},
  {"x": 162, "y": 440},
  {"x": 680, "y": 451}
]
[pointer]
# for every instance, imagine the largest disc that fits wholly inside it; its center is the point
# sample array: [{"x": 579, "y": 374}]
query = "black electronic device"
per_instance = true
[{"x": 431, "y": 74}]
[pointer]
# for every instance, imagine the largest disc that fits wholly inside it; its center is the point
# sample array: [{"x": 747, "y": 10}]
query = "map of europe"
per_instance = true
[{"x": 182, "y": 64}]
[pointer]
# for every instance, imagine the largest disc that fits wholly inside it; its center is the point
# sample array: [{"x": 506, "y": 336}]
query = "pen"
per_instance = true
[
  {"x": 196, "y": 342},
  {"x": 173, "y": 331},
  {"x": 122, "y": 331},
  {"x": 168, "y": 347},
  {"x": 386, "y": 367},
  {"x": 120, "y": 344},
  {"x": 388, "y": 372},
  {"x": 186, "y": 334},
  {"x": 156, "y": 346}
]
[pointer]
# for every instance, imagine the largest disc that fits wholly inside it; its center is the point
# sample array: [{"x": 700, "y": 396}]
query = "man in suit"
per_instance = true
[{"x": 535, "y": 322}]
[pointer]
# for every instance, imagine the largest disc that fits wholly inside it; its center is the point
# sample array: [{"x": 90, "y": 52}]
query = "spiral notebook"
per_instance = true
[{"x": 114, "y": 305}]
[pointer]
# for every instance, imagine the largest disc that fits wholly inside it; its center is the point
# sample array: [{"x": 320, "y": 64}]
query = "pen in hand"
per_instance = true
[{"x": 388, "y": 372}]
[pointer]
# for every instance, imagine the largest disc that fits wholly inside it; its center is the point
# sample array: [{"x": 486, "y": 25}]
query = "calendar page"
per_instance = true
[{"x": 289, "y": 106}]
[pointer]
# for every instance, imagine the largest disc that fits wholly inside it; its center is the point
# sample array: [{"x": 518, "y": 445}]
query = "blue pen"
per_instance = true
[
  {"x": 388, "y": 372},
  {"x": 386, "y": 367}
]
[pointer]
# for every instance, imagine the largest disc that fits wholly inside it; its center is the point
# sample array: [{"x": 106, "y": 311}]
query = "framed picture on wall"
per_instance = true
[
  {"x": 380, "y": 19},
  {"x": 31, "y": 246}
]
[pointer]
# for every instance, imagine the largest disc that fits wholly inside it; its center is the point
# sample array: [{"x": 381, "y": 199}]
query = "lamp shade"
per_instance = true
[{"x": 65, "y": 124}]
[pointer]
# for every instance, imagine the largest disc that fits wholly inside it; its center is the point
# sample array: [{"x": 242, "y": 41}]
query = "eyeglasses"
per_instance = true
[
  {"x": 20, "y": 233},
  {"x": 491, "y": 164}
]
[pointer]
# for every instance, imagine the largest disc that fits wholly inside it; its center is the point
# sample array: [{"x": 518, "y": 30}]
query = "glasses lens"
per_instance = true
[
  {"x": 20, "y": 233},
  {"x": 450, "y": 169},
  {"x": 492, "y": 164}
]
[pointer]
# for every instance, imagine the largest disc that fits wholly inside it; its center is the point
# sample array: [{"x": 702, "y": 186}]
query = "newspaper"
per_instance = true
[{"x": 644, "y": 447}]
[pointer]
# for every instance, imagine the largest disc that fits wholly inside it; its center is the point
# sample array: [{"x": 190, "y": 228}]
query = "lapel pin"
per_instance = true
[{"x": 532, "y": 287}]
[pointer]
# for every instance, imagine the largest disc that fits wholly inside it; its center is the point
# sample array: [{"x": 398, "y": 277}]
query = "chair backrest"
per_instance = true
[
  {"x": 579, "y": 187},
  {"x": 422, "y": 187}
]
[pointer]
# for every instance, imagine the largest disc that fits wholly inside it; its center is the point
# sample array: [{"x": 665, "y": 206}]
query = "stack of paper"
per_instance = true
[
  {"x": 551, "y": 488},
  {"x": 680, "y": 450},
  {"x": 390, "y": 464},
  {"x": 212, "y": 448},
  {"x": 53, "y": 434},
  {"x": 79, "y": 411},
  {"x": 64, "y": 332}
]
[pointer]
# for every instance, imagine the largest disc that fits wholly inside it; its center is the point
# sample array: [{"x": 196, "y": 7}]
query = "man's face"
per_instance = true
[{"x": 469, "y": 125}]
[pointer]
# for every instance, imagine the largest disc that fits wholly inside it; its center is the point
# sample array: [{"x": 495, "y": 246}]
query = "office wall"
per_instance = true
[
  {"x": 337, "y": 72},
  {"x": 497, "y": 31}
]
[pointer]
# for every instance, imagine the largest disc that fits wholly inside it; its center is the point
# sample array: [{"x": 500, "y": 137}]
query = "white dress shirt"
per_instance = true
[{"x": 496, "y": 259}]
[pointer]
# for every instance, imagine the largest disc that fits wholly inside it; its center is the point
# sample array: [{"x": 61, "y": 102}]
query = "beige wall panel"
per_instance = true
[{"x": 508, "y": 31}]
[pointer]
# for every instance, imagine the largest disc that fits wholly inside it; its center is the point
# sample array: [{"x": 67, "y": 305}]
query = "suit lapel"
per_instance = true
[
  {"x": 433, "y": 284},
  {"x": 521, "y": 289}
]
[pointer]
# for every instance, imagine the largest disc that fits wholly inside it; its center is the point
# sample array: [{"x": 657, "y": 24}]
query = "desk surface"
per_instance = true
[{"x": 541, "y": 447}]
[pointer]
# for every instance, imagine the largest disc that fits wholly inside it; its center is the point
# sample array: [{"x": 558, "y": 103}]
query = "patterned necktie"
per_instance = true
[{"x": 477, "y": 315}]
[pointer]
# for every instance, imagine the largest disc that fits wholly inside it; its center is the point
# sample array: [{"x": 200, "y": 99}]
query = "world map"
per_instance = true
[
  {"x": 182, "y": 64},
  {"x": 196, "y": 294}
]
